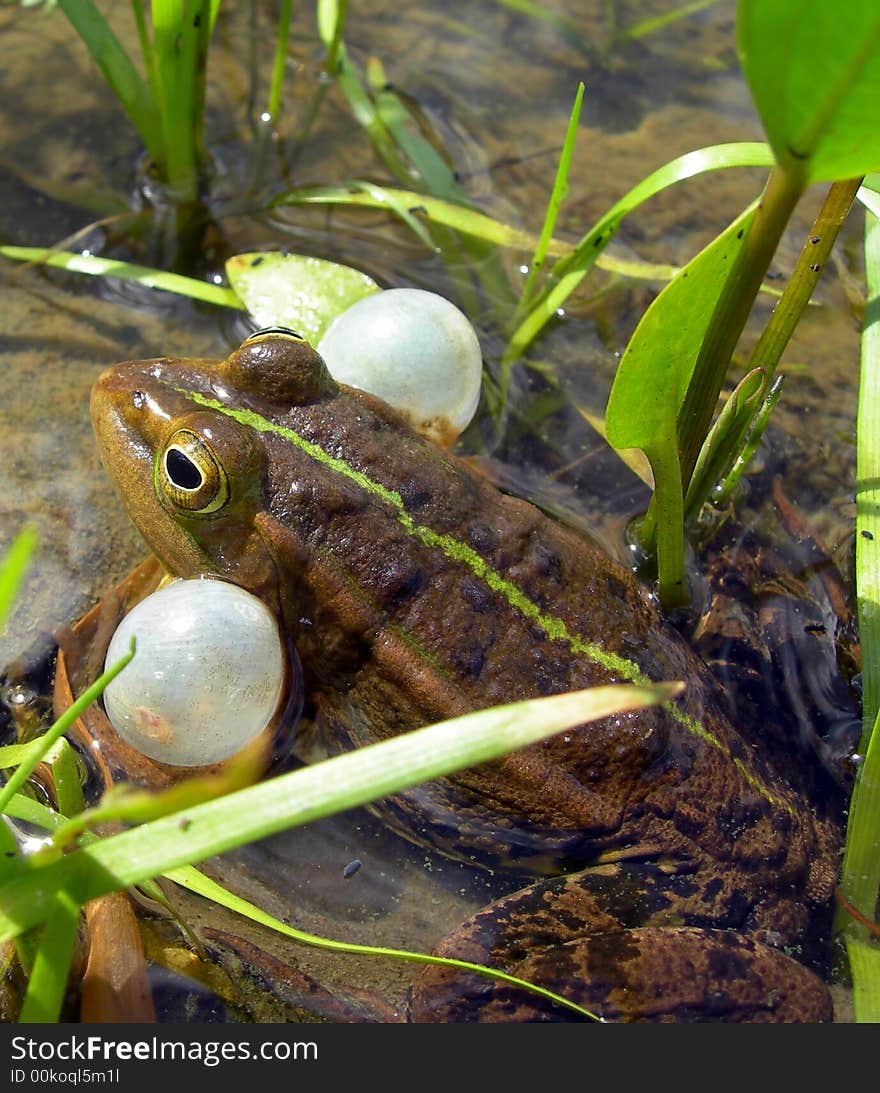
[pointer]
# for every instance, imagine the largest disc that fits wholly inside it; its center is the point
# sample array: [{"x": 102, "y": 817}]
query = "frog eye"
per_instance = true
[{"x": 190, "y": 475}]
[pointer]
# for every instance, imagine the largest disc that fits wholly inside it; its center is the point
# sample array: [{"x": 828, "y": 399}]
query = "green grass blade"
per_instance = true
[
  {"x": 759, "y": 424},
  {"x": 860, "y": 878},
  {"x": 331, "y": 26},
  {"x": 564, "y": 27},
  {"x": 11, "y": 859},
  {"x": 24, "y": 770},
  {"x": 66, "y": 779},
  {"x": 435, "y": 210},
  {"x": 557, "y": 196},
  {"x": 11, "y": 755},
  {"x": 13, "y": 568},
  {"x": 436, "y": 174},
  {"x": 127, "y": 271},
  {"x": 123, "y": 78},
  {"x": 864, "y": 962},
  {"x": 282, "y": 36},
  {"x": 48, "y": 979},
  {"x": 364, "y": 110},
  {"x": 344, "y": 782},
  {"x": 197, "y": 882},
  {"x": 26, "y": 808},
  {"x": 386, "y": 198},
  {"x": 725, "y": 440},
  {"x": 568, "y": 273},
  {"x": 660, "y": 22}
]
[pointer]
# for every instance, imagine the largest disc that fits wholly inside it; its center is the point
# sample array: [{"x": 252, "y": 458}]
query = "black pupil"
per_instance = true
[{"x": 181, "y": 470}]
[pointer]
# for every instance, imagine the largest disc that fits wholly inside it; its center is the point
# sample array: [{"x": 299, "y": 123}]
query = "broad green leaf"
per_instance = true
[
  {"x": 296, "y": 291},
  {"x": 813, "y": 68},
  {"x": 657, "y": 365},
  {"x": 650, "y": 386},
  {"x": 344, "y": 782}
]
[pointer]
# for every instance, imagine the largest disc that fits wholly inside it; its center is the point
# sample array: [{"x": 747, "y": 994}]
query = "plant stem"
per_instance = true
[
  {"x": 787, "y": 313},
  {"x": 274, "y": 107},
  {"x": 671, "y": 585},
  {"x": 860, "y": 876},
  {"x": 742, "y": 285}
]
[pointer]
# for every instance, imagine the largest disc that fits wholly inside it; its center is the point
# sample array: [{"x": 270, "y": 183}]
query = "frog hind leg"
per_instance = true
[{"x": 616, "y": 947}]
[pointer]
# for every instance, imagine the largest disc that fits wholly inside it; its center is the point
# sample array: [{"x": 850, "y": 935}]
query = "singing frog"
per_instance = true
[{"x": 676, "y": 874}]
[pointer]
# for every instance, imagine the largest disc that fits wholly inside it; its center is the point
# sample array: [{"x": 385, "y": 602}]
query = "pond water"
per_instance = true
[{"x": 493, "y": 86}]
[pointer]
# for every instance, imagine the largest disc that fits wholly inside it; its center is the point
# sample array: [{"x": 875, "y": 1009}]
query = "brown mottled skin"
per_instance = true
[{"x": 662, "y": 842}]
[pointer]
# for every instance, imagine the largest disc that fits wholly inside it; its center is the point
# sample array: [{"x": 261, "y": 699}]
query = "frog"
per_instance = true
[{"x": 670, "y": 871}]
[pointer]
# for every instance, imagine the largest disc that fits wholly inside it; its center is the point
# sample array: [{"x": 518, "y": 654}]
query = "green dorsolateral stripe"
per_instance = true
[{"x": 460, "y": 552}]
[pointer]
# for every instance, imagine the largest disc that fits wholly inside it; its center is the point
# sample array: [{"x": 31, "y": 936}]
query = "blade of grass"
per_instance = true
[
  {"x": 282, "y": 36},
  {"x": 658, "y": 22},
  {"x": 864, "y": 962},
  {"x": 66, "y": 780},
  {"x": 557, "y": 196},
  {"x": 127, "y": 271},
  {"x": 467, "y": 222},
  {"x": 14, "y": 566},
  {"x": 725, "y": 440},
  {"x": 439, "y": 179},
  {"x": 462, "y": 219},
  {"x": 860, "y": 876},
  {"x": 331, "y": 25},
  {"x": 48, "y": 979},
  {"x": 60, "y": 727},
  {"x": 565, "y": 28},
  {"x": 568, "y": 273},
  {"x": 344, "y": 782},
  {"x": 197, "y": 882},
  {"x": 31, "y": 811},
  {"x": 387, "y": 198},
  {"x": 759, "y": 424},
  {"x": 125, "y": 81}
]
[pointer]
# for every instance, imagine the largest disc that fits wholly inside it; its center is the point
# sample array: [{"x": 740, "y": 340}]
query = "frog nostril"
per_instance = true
[{"x": 139, "y": 399}]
